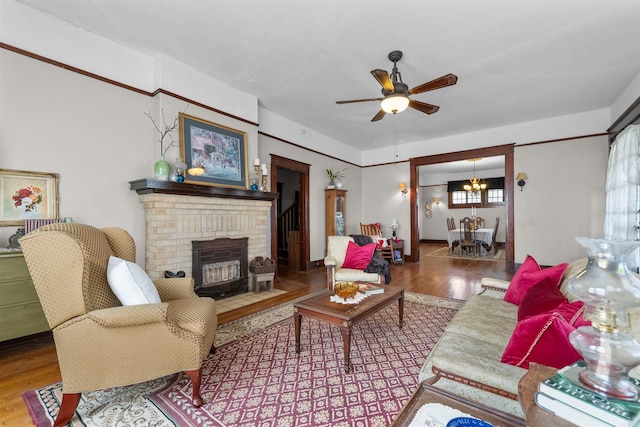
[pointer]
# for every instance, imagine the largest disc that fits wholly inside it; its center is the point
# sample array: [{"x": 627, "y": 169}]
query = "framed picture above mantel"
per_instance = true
[
  {"x": 27, "y": 195},
  {"x": 215, "y": 154}
]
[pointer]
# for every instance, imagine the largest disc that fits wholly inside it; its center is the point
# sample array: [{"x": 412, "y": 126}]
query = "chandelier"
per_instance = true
[{"x": 475, "y": 185}]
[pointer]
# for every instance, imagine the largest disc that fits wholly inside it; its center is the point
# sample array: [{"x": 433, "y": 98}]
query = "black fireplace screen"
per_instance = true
[{"x": 220, "y": 267}]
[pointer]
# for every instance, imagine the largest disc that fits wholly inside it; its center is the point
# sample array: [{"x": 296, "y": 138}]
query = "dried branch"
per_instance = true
[{"x": 166, "y": 130}]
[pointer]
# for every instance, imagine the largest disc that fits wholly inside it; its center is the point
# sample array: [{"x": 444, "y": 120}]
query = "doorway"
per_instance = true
[
  {"x": 290, "y": 227},
  {"x": 501, "y": 150}
]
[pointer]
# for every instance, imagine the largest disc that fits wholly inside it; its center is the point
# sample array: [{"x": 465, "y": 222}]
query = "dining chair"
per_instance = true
[
  {"x": 492, "y": 245},
  {"x": 451, "y": 226},
  {"x": 479, "y": 222},
  {"x": 468, "y": 237}
]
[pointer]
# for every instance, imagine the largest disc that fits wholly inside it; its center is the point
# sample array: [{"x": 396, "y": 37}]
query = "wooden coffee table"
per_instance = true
[{"x": 345, "y": 315}]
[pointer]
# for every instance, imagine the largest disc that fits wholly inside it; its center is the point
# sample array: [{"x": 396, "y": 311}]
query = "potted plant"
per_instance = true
[{"x": 335, "y": 178}]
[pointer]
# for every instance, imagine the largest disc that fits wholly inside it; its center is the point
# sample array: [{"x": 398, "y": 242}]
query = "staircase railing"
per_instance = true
[{"x": 288, "y": 220}]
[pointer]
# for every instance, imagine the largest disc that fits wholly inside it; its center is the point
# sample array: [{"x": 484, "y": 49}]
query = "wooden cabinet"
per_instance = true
[
  {"x": 20, "y": 310},
  {"x": 335, "y": 212}
]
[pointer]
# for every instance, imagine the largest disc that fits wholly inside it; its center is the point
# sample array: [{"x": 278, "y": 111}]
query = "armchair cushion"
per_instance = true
[
  {"x": 358, "y": 257},
  {"x": 130, "y": 283}
]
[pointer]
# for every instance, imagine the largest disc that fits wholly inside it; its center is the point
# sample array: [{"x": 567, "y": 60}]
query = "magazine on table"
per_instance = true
[{"x": 370, "y": 289}]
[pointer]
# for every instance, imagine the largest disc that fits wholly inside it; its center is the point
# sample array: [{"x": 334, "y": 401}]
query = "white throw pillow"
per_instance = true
[{"x": 130, "y": 283}]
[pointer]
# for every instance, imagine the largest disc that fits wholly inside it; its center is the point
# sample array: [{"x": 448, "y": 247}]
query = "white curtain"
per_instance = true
[{"x": 622, "y": 217}]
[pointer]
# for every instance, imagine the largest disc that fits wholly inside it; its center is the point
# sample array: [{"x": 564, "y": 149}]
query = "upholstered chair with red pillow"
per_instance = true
[{"x": 346, "y": 261}]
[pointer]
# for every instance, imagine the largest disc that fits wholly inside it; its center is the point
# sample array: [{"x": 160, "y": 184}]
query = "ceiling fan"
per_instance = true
[{"x": 396, "y": 93}]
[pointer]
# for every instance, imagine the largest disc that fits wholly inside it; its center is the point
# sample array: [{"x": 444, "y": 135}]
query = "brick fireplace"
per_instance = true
[{"x": 176, "y": 214}]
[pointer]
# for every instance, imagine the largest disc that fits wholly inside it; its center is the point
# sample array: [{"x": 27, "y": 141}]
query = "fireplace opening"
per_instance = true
[{"x": 220, "y": 267}]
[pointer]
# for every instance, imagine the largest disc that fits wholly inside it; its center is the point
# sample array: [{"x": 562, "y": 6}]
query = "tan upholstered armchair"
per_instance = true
[
  {"x": 100, "y": 343},
  {"x": 336, "y": 251}
]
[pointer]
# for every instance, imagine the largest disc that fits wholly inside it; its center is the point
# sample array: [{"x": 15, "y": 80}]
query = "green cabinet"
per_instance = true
[{"x": 20, "y": 310}]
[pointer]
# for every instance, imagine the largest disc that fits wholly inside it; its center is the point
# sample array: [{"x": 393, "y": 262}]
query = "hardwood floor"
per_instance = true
[{"x": 31, "y": 362}]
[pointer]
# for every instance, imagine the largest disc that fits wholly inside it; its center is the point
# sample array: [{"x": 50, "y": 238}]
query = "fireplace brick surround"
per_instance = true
[{"x": 178, "y": 213}]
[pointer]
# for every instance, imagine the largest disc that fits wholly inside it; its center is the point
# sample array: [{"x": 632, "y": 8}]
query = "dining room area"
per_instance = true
[
  {"x": 463, "y": 207},
  {"x": 472, "y": 236}
]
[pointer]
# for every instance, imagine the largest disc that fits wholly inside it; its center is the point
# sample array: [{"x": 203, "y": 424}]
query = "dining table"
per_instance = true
[{"x": 484, "y": 235}]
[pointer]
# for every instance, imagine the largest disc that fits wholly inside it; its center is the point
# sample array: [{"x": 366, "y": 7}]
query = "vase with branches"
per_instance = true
[{"x": 162, "y": 168}]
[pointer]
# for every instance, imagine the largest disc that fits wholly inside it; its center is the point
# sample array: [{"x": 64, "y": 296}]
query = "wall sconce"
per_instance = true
[
  {"x": 403, "y": 189},
  {"x": 436, "y": 200},
  {"x": 521, "y": 177}
]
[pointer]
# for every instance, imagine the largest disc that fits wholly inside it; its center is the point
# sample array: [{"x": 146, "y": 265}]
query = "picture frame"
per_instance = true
[
  {"x": 428, "y": 209},
  {"x": 214, "y": 154},
  {"x": 27, "y": 195}
]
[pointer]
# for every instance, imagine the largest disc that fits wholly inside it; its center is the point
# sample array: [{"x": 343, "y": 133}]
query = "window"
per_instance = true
[
  {"x": 495, "y": 195},
  {"x": 491, "y": 197}
]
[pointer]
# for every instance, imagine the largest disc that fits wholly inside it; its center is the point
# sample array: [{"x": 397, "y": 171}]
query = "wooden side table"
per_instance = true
[
  {"x": 527, "y": 388},
  {"x": 397, "y": 245},
  {"x": 427, "y": 393}
]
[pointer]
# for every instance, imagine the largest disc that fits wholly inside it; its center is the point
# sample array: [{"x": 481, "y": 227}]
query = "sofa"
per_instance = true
[{"x": 466, "y": 360}]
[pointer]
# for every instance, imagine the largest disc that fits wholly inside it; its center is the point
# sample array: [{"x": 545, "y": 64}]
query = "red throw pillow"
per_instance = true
[
  {"x": 542, "y": 298},
  {"x": 573, "y": 312},
  {"x": 358, "y": 257},
  {"x": 543, "y": 338},
  {"x": 528, "y": 275}
]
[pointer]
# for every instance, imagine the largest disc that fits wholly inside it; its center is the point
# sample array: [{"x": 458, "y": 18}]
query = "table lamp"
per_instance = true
[{"x": 609, "y": 290}]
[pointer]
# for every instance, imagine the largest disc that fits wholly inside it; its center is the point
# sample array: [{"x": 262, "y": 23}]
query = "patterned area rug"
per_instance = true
[
  {"x": 444, "y": 252},
  {"x": 256, "y": 378}
]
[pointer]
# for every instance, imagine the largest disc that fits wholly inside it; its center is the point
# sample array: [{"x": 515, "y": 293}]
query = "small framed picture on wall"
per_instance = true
[{"x": 27, "y": 195}]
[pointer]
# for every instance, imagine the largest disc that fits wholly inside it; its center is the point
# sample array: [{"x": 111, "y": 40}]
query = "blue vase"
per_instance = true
[{"x": 162, "y": 169}]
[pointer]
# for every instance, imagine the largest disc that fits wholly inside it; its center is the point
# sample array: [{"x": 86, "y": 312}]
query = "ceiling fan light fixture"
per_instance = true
[{"x": 394, "y": 103}]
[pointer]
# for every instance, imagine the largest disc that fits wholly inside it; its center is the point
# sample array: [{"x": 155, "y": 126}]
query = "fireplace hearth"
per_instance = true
[{"x": 220, "y": 267}]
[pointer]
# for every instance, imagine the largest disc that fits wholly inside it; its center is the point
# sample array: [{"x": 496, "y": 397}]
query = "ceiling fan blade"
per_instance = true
[
  {"x": 358, "y": 100},
  {"x": 424, "y": 107},
  {"x": 440, "y": 82},
  {"x": 378, "y": 116},
  {"x": 382, "y": 76}
]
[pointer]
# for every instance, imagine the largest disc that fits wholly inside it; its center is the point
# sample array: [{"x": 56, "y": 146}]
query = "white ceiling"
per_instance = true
[{"x": 517, "y": 61}]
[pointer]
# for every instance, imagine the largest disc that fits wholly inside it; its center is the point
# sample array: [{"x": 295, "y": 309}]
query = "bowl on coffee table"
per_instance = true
[{"x": 345, "y": 289}]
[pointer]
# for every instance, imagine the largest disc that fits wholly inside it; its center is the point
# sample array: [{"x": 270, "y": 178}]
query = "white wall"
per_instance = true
[
  {"x": 93, "y": 134},
  {"x": 382, "y": 200},
  {"x": 563, "y": 198},
  {"x": 569, "y": 126}
]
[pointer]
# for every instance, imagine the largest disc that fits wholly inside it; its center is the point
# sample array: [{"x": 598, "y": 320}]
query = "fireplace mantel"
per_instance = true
[{"x": 149, "y": 186}]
